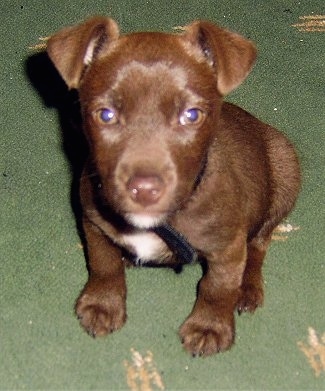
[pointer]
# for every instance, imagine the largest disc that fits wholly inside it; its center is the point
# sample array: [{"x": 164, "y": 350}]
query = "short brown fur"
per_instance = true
[{"x": 165, "y": 148}]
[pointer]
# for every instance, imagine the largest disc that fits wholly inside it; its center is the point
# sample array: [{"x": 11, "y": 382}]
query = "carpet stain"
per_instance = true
[
  {"x": 41, "y": 45},
  {"x": 314, "y": 351},
  {"x": 308, "y": 23},
  {"x": 142, "y": 374},
  {"x": 281, "y": 230},
  {"x": 311, "y": 23}
]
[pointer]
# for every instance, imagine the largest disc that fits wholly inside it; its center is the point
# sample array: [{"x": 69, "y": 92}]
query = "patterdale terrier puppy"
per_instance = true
[{"x": 174, "y": 174}]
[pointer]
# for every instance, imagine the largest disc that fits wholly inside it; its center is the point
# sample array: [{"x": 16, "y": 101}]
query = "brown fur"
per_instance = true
[{"x": 145, "y": 161}]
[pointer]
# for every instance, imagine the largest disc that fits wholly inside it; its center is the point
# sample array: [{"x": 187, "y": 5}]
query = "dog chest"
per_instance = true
[{"x": 147, "y": 246}]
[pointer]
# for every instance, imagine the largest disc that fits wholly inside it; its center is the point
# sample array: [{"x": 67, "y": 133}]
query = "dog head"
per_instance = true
[{"x": 150, "y": 104}]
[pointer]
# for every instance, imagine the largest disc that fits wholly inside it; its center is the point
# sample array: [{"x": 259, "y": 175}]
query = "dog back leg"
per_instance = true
[{"x": 252, "y": 292}]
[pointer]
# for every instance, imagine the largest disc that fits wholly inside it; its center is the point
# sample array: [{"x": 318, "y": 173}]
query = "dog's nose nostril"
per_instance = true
[{"x": 145, "y": 190}]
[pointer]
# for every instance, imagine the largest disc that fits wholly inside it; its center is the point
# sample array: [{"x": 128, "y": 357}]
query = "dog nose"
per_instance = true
[{"x": 145, "y": 189}]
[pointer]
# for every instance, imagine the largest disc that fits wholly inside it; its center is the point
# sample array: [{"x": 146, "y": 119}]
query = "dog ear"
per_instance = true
[
  {"x": 229, "y": 53},
  {"x": 74, "y": 48}
]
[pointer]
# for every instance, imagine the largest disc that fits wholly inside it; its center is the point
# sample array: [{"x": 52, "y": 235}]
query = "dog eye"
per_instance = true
[
  {"x": 191, "y": 116},
  {"x": 107, "y": 116}
]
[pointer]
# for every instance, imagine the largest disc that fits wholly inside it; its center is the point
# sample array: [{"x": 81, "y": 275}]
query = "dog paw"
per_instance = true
[
  {"x": 206, "y": 338},
  {"x": 251, "y": 297},
  {"x": 101, "y": 315}
]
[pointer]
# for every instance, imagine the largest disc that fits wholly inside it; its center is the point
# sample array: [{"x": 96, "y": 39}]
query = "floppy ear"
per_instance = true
[
  {"x": 229, "y": 53},
  {"x": 74, "y": 48}
]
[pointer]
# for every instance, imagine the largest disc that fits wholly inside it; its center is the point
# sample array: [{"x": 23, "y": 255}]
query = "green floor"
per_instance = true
[{"x": 42, "y": 262}]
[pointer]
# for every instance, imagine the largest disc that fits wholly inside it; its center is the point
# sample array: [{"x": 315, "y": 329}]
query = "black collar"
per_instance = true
[
  {"x": 201, "y": 172},
  {"x": 177, "y": 243}
]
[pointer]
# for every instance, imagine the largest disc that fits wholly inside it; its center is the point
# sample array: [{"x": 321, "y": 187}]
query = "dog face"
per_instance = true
[
  {"x": 150, "y": 104},
  {"x": 149, "y": 124}
]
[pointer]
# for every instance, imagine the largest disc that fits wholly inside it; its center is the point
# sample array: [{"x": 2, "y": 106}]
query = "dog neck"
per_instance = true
[
  {"x": 183, "y": 250},
  {"x": 178, "y": 244}
]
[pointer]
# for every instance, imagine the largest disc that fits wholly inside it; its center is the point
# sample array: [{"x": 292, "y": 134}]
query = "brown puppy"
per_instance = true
[{"x": 165, "y": 149}]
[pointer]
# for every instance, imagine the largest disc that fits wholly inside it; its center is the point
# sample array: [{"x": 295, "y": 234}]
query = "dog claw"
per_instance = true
[
  {"x": 240, "y": 310},
  {"x": 92, "y": 333},
  {"x": 198, "y": 354}
]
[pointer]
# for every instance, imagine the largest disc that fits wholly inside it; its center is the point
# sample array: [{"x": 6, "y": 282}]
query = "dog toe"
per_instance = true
[
  {"x": 250, "y": 299},
  {"x": 204, "y": 340},
  {"x": 99, "y": 318}
]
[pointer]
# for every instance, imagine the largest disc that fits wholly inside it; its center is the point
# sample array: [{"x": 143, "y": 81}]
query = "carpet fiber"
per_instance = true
[{"x": 282, "y": 346}]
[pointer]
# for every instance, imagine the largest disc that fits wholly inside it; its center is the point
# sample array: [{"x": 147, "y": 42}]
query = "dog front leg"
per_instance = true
[
  {"x": 210, "y": 328},
  {"x": 101, "y": 306}
]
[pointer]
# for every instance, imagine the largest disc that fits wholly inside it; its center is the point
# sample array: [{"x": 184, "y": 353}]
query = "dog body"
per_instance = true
[{"x": 164, "y": 148}]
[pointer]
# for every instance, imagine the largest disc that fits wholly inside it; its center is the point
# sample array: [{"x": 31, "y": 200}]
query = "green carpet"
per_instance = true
[{"x": 282, "y": 346}]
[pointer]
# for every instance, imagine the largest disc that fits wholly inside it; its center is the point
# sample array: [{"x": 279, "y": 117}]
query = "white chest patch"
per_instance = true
[{"x": 145, "y": 245}]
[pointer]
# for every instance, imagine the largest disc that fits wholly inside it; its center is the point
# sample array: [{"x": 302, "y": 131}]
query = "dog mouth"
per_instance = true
[
  {"x": 145, "y": 220},
  {"x": 133, "y": 214}
]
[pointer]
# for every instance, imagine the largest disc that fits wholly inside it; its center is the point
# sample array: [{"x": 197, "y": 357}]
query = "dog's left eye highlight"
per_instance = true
[
  {"x": 107, "y": 116},
  {"x": 191, "y": 116}
]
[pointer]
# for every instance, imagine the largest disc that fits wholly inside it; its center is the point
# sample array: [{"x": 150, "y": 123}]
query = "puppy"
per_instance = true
[{"x": 174, "y": 174}]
